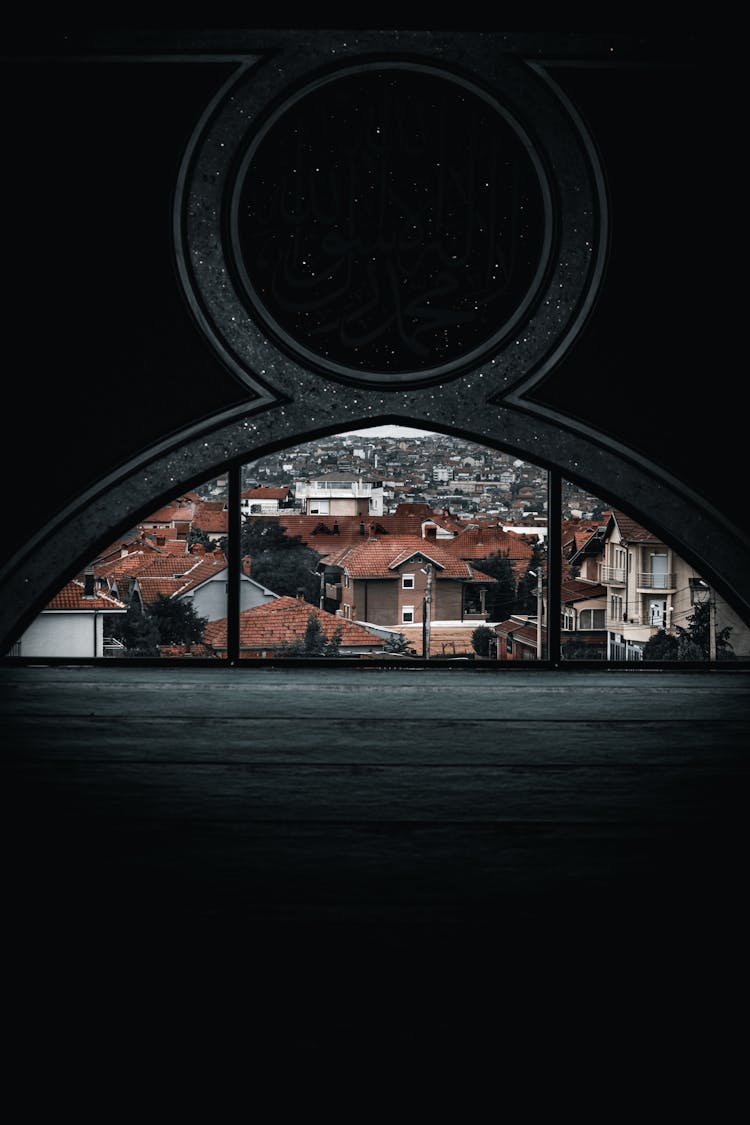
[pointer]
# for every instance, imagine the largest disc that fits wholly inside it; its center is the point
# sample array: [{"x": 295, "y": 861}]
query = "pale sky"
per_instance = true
[{"x": 389, "y": 431}]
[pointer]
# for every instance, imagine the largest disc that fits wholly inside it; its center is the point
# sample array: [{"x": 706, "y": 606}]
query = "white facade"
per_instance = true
[
  {"x": 340, "y": 494},
  {"x": 67, "y": 633},
  {"x": 648, "y": 589},
  {"x": 210, "y": 598}
]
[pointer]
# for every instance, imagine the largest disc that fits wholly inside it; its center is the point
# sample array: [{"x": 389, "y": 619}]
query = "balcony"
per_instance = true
[
  {"x": 649, "y": 581},
  {"x": 612, "y": 575}
]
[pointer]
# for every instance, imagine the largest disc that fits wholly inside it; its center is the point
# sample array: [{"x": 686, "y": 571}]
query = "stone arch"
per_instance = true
[{"x": 115, "y": 503}]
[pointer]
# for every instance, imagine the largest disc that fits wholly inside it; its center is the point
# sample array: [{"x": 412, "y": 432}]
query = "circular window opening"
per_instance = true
[{"x": 390, "y": 223}]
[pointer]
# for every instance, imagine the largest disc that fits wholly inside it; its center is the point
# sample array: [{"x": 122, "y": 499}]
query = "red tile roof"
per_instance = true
[
  {"x": 631, "y": 531},
  {"x": 265, "y": 492},
  {"x": 72, "y": 597},
  {"x": 480, "y": 542},
  {"x": 154, "y": 588},
  {"x": 379, "y": 558},
  {"x": 272, "y": 624},
  {"x": 577, "y": 590},
  {"x": 521, "y": 632},
  {"x": 211, "y": 520},
  {"x": 319, "y": 532}
]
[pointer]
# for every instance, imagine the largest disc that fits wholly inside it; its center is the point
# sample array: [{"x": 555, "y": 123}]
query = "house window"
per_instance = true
[
  {"x": 347, "y": 582},
  {"x": 592, "y": 619},
  {"x": 407, "y": 581},
  {"x": 615, "y": 607},
  {"x": 568, "y": 620},
  {"x": 407, "y": 615}
]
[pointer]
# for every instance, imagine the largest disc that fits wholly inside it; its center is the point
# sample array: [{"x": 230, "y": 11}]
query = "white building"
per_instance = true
[
  {"x": 73, "y": 623},
  {"x": 648, "y": 589},
  {"x": 340, "y": 494}
]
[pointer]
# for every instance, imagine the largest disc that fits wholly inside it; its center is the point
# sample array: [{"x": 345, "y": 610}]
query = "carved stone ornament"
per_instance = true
[{"x": 389, "y": 219}]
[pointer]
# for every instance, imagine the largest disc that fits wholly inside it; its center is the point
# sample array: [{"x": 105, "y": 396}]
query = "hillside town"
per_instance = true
[{"x": 374, "y": 546}]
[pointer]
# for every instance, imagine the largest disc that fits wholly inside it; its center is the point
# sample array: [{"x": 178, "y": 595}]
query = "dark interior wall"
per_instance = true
[{"x": 106, "y": 358}]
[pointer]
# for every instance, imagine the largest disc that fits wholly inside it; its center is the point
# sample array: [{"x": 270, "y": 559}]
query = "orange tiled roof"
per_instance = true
[
  {"x": 631, "y": 531},
  {"x": 272, "y": 624},
  {"x": 379, "y": 558},
  {"x": 521, "y": 632},
  {"x": 315, "y": 530},
  {"x": 480, "y": 542},
  {"x": 154, "y": 588},
  {"x": 72, "y": 597},
  {"x": 211, "y": 520},
  {"x": 577, "y": 590},
  {"x": 265, "y": 492}
]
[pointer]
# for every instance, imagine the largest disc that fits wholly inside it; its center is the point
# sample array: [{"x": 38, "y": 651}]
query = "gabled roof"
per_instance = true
[
  {"x": 283, "y": 621},
  {"x": 479, "y": 542},
  {"x": 211, "y": 519},
  {"x": 71, "y": 597},
  {"x": 631, "y": 531},
  {"x": 578, "y": 590},
  {"x": 168, "y": 514},
  {"x": 265, "y": 492},
  {"x": 380, "y": 558},
  {"x": 328, "y": 533},
  {"x": 521, "y": 631}
]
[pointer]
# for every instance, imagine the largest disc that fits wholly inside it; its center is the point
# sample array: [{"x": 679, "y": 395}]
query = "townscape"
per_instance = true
[{"x": 369, "y": 545}]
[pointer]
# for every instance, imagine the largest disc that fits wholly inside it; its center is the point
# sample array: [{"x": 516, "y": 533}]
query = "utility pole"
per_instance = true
[
  {"x": 426, "y": 613},
  {"x": 539, "y": 595}
]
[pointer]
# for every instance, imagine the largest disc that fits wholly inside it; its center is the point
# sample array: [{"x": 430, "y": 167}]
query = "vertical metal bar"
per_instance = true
[
  {"x": 234, "y": 561},
  {"x": 554, "y": 564}
]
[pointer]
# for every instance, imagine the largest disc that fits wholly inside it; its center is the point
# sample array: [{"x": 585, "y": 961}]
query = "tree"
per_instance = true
[
  {"x": 314, "y": 642},
  {"x": 691, "y": 643},
  {"x": 177, "y": 621},
  {"x": 501, "y": 595},
  {"x": 697, "y": 632},
  {"x": 482, "y": 639},
  {"x": 281, "y": 562},
  {"x": 138, "y": 632},
  {"x": 661, "y": 646},
  {"x": 397, "y": 643},
  {"x": 333, "y": 644},
  {"x": 198, "y": 535}
]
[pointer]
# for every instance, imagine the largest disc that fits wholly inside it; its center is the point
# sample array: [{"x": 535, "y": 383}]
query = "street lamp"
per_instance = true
[{"x": 700, "y": 594}]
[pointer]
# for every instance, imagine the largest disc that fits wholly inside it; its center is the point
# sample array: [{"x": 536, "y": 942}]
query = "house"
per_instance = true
[
  {"x": 648, "y": 588},
  {"x": 519, "y": 639},
  {"x": 211, "y": 517},
  {"x": 74, "y": 623},
  {"x": 340, "y": 494},
  {"x": 201, "y": 579},
  {"x": 583, "y": 624},
  {"x": 475, "y": 542},
  {"x": 265, "y": 500},
  {"x": 386, "y": 580},
  {"x": 266, "y": 629}
]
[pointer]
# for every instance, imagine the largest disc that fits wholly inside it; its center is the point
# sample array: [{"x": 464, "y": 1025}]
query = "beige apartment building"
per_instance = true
[{"x": 648, "y": 587}]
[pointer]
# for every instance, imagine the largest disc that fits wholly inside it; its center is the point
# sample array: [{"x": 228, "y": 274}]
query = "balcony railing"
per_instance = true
[
  {"x": 649, "y": 581},
  {"x": 613, "y": 575}
]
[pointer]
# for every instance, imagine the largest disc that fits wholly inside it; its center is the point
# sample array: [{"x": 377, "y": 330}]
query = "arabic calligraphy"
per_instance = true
[{"x": 390, "y": 220}]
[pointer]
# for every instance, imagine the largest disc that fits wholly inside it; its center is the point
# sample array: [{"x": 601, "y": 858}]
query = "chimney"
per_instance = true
[
  {"x": 246, "y": 565},
  {"x": 300, "y": 594},
  {"x": 88, "y": 584}
]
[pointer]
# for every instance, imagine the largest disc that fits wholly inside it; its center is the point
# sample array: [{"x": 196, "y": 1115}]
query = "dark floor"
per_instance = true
[{"x": 402, "y": 857}]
